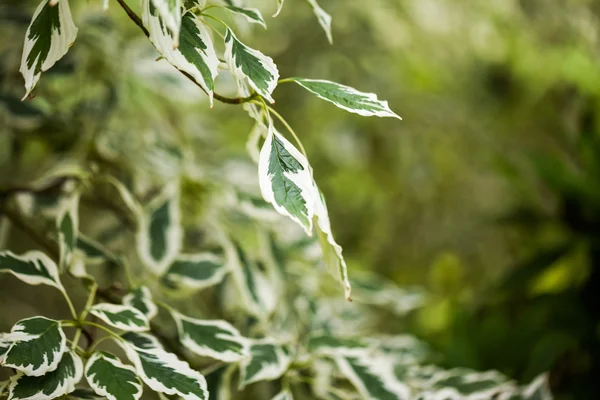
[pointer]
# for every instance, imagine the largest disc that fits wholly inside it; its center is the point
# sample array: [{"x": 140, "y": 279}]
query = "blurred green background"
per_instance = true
[{"x": 487, "y": 193}]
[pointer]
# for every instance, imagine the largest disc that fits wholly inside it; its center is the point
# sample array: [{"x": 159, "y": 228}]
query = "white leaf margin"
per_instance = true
[
  {"x": 271, "y": 371},
  {"x": 101, "y": 390},
  {"x": 35, "y": 255},
  {"x": 101, "y": 310},
  {"x": 129, "y": 298}
]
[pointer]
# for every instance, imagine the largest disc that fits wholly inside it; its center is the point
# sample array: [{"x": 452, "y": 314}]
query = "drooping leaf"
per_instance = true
[
  {"x": 159, "y": 236},
  {"x": 347, "y": 98},
  {"x": 269, "y": 360},
  {"x": 37, "y": 347},
  {"x": 283, "y": 395},
  {"x": 323, "y": 17},
  {"x": 163, "y": 372},
  {"x": 141, "y": 299},
  {"x": 121, "y": 317},
  {"x": 169, "y": 12},
  {"x": 53, "y": 384},
  {"x": 286, "y": 180},
  {"x": 211, "y": 338},
  {"x": 33, "y": 267},
  {"x": 67, "y": 225},
  {"x": 109, "y": 377},
  {"x": 253, "y": 15},
  {"x": 279, "y": 7},
  {"x": 195, "y": 272},
  {"x": 373, "y": 377},
  {"x": 251, "y": 65},
  {"x": 48, "y": 38},
  {"x": 193, "y": 54}
]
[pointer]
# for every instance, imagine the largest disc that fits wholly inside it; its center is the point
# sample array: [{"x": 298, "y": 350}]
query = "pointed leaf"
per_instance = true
[
  {"x": 47, "y": 40},
  {"x": 53, "y": 384},
  {"x": 169, "y": 12},
  {"x": 67, "y": 224},
  {"x": 194, "y": 53},
  {"x": 286, "y": 180},
  {"x": 33, "y": 267},
  {"x": 211, "y": 338},
  {"x": 141, "y": 299},
  {"x": 323, "y": 18},
  {"x": 121, "y": 317},
  {"x": 109, "y": 377},
  {"x": 248, "y": 64},
  {"x": 347, "y": 98},
  {"x": 37, "y": 347},
  {"x": 195, "y": 272},
  {"x": 279, "y": 7},
  {"x": 269, "y": 360},
  {"x": 251, "y": 14}
]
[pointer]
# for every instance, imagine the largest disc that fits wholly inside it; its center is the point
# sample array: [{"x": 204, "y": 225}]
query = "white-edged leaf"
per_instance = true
[
  {"x": 251, "y": 65},
  {"x": 323, "y": 17},
  {"x": 373, "y": 376},
  {"x": 333, "y": 345},
  {"x": 285, "y": 179},
  {"x": 194, "y": 54},
  {"x": 332, "y": 252},
  {"x": 269, "y": 360},
  {"x": 163, "y": 372},
  {"x": 211, "y": 338},
  {"x": 33, "y": 268},
  {"x": 142, "y": 340},
  {"x": 4, "y": 387},
  {"x": 279, "y": 7},
  {"x": 93, "y": 251},
  {"x": 159, "y": 236},
  {"x": 4, "y": 346},
  {"x": 109, "y": 377},
  {"x": 195, "y": 272},
  {"x": 121, "y": 317},
  {"x": 170, "y": 13},
  {"x": 347, "y": 98},
  {"x": 284, "y": 395},
  {"x": 38, "y": 344},
  {"x": 141, "y": 298},
  {"x": 253, "y": 15},
  {"x": 67, "y": 224},
  {"x": 538, "y": 389},
  {"x": 48, "y": 38},
  {"x": 53, "y": 384}
]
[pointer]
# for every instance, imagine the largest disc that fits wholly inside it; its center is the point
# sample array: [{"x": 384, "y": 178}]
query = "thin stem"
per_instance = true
[
  {"x": 76, "y": 339},
  {"x": 227, "y": 100},
  {"x": 165, "y": 306},
  {"x": 216, "y": 19},
  {"x": 97, "y": 342},
  {"x": 90, "y": 301},
  {"x": 286, "y": 80},
  {"x": 213, "y": 28},
  {"x": 270, "y": 110},
  {"x": 69, "y": 302},
  {"x": 105, "y": 329}
]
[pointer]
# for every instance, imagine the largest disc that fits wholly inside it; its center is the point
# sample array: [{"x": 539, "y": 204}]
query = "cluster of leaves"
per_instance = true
[{"x": 286, "y": 329}]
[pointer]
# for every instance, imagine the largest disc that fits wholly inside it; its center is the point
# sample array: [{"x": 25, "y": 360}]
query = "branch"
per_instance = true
[{"x": 227, "y": 100}]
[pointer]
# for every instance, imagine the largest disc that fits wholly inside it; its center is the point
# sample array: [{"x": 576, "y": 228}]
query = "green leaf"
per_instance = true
[
  {"x": 163, "y": 372},
  {"x": 211, "y": 338},
  {"x": 323, "y": 18},
  {"x": 94, "y": 252},
  {"x": 109, "y": 377},
  {"x": 269, "y": 360},
  {"x": 373, "y": 377},
  {"x": 67, "y": 224},
  {"x": 193, "y": 53},
  {"x": 251, "y": 65},
  {"x": 347, "y": 98},
  {"x": 251, "y": 14},
  {"x": 37, "y": 347},
  {"x": 285, "y": 179},
  {"x": 47, "y": 40},
  {"x": 141, "y": 299},
  {"x": 121, "y": 317},
  {"x": 332, "y": 345},
  {"x": 283, "y": 395},
  {"x": 169, "y": 12},
  {"x": 53, "y": 384},
  {"x": 142, "y": 340},
  {"x": 159, "y": 236},
  {"x": 195, "y": 272},
  {"x": 33, "y": 268}
]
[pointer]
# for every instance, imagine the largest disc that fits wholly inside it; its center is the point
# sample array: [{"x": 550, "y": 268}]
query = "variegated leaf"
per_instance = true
[
  {"x": 67, "y": 224},
  {"x": 163, "y": 372},
  {"x": 195, "y": 272},
  {"x": 285, "y": 179},
  {"x": 284, "y": 395},
  {"x": 253, "y": 15},
  {"x": 144, "y": 341},
  {"x": 193, "y": 54},
  {"x": 251, "y": 65},
  {"x": 169, "y": 12},
  {"x": 33, "y": 268},
  {"x": 332, "y": 345},
  {"x": 159, "y": 236},
  {"x": 269, "y": 360},
  {"x": 121, "y": 317},
  {"x": 4, "y": 346},
  {"x": 323, "y": 17},
  {"x": 279, "y": 7},
  {"x": 37, "y": 346},
  {"x": 53, "y": 384},
  {"x": 141, "y": 299},
  {"x": 347, "y": 98},
  {"x": 211, "y": 338},
  {"x": 109, "y": 377},
  {"x": 94, "y": 252},
  {"x": 48, "y": 38}
]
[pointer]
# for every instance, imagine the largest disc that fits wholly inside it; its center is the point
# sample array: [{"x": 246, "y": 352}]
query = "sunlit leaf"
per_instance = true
[{"x": 170, "y": 13}]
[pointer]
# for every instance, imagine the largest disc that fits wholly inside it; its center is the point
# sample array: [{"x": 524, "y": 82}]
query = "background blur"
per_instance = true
[{"x": 487, "y": 193}]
